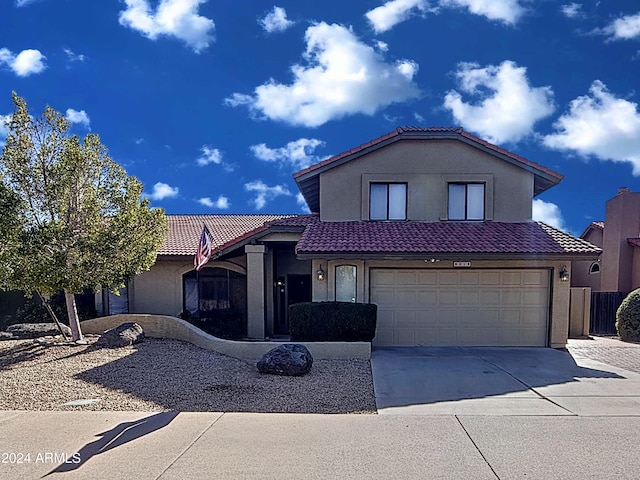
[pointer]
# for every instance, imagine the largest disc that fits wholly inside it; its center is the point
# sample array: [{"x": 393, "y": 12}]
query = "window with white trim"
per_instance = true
[
  {"x": 346, "y": 283},
  {"x": 466, "y": 201},
  {"x": 388, "y": 201}
]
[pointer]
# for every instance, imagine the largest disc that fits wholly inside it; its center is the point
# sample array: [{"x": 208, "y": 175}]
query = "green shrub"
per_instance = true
[
  {"x": 228, "y": 323},
  {"x": 628, "y": 318},
  {"x": 332, "y": 322}
]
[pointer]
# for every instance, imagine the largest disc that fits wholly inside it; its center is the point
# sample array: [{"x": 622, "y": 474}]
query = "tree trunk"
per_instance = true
[{"x": 72, "y": 312}]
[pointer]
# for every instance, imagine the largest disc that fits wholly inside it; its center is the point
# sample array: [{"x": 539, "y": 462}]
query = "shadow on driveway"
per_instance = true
[{"x": 405, "y": 376}]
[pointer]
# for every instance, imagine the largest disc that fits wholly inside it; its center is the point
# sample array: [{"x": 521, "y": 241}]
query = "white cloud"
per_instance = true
[
  {"x": 222, "y": 202},
  {"x": 264, "y": 193},
  {"x": 506, "y": 11},
  {"x": 601, "y": 125},
  {"x": 162, "y": 191},
  {"x": 81, "y": 117},
  {"x": 275, "y": 21},
  {"x": 26, "y": 63},
  {"x": 623, "y": 28},
  {"x": 386, "y": 16},
  {"x": 4, "y": 128},
  {"x": 548, "y": 213},
  {"x": 302, "y": 202},
  {"x": 343, "y": 76},
  {"x": 74, "y": 57},
  {"x": 209, "y": 155},
  {"x": 177, "y": 18},
  {"x": 571, "y": 10},
  {"x": 24, "y": 3},
  {"x": 299, "y": 153},
  {"x": 509, "y": 112}
]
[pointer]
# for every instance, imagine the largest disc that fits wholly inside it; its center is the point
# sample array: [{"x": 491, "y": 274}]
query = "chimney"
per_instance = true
[{"x": 623, "y": 190}]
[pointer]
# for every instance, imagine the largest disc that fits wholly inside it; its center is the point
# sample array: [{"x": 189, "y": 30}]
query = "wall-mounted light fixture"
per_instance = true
[
  {"x": 564, "y": 274},
  {"x": 320, "y": 274}
]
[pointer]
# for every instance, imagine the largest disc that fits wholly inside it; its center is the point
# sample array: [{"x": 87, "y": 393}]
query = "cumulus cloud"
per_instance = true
[
  {"x": 162, "y": 191},
  {"x": 571, "y": 10},
  {"x": 275, "y": 21},
  {"x": 601, "y": 125},
  {"x": 264, "y": 193},
  {"x": 302, "y": 203},
  {"x": 342, "y": 76},
  {"x": 298, "y": 154},
  {"x": 548, "y": 213},
  {"x": 511, "y": 108},
  {"x": 176, "y": 18},
  {"x": 388, "y": 15},
  {"x": 506, "y": 11},
  {"x": 221, "y": 203},
  {"x": 209, "y": 155},
  {"x": 24, "y": 3},
  {"x": 80, "y": 117},
  {"x": 623, "y": 28},
  {"x": 27, "y": 62}
]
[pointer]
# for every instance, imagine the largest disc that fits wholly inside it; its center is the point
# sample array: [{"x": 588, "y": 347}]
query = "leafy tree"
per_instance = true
[{"x": 82, "y": 222}]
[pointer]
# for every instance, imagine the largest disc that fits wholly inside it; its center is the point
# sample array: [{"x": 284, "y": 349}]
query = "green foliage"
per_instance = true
[
  {"x": 332, "y": 322},
  {"x": 628, "y": 318},
  {"x": 81, "y": 221},
  {"x": 227, "y": 323}
]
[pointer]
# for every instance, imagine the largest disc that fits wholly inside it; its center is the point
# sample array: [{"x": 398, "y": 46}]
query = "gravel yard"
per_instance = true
[{"x": 159, "y": 375}]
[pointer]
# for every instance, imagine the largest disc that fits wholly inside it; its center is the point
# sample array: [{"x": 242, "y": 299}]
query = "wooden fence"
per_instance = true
[{"x": 603, "y": 312}]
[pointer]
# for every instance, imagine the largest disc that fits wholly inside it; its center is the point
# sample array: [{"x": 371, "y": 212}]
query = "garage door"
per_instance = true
[{"x": 461, "y": 307}]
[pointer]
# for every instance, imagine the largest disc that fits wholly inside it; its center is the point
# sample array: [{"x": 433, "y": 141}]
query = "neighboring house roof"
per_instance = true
[
  {"x": 453, "y": 240},
  {"x": 634, "y": 242},
  {"x": 592, "y": 226},
  {"x": 309, "y": 183},
  {"x": 226, "y": 230}
]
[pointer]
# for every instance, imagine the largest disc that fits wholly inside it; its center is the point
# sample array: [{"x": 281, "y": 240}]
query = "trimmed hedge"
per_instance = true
[
  {"x": 628, "y": 318},
  {"x": 332, "y": 322}
]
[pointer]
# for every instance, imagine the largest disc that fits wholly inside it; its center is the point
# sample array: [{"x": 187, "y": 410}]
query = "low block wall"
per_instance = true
[{"x": 162, "y": 326}]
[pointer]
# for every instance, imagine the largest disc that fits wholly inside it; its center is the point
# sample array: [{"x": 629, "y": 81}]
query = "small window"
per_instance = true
[
  {"x": 466, "y": 201},
  {"x": 388, "y": 201},
  {"x": 346, "y": 283},
  {"x": 594, "y": 268}
]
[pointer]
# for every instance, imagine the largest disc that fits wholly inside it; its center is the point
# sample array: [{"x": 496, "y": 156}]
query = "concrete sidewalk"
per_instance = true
[{"x": 169, "y": 445}]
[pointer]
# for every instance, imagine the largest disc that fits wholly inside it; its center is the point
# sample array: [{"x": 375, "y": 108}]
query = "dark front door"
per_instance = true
[{"x": 296, "y": 289}]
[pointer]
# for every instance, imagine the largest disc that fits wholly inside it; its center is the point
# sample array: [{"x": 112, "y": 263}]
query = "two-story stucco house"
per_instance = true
[{"x": 431, "y": 224}]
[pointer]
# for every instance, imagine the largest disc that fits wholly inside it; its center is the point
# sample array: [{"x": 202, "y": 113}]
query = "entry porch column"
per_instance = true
[{"x": 255, "y": 291}]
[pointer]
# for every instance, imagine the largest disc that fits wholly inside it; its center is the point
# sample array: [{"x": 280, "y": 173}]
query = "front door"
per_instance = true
[{"x": 296, "y": 289}]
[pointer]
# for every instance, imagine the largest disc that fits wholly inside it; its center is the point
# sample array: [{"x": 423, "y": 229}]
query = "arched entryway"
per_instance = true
[{"x": 216, "y": 298}]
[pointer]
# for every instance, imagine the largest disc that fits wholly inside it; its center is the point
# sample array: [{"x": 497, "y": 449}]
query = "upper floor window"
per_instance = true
[
  {"x": 466, "y": 201},
  {"x": 387, "y": 201}
]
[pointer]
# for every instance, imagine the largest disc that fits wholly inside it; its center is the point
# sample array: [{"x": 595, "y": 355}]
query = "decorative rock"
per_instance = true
[
  {"x": 121, "y": 336},
  {"x": 291, "y": 359},
  {"x": 36, "y": 330},
  {"x": 6, "y": 336}
]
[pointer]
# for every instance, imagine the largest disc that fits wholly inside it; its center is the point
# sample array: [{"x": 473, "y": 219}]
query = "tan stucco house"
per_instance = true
[
  {"x": 618, "y": 269},
  {"x": 431, "y": 224}
]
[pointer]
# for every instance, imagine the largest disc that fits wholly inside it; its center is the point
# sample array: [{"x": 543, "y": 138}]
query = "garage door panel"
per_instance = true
[{"x": 461, "y": 307}]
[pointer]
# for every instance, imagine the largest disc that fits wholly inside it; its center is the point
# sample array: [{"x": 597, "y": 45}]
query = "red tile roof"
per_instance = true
[
  {"x": 421, "y": 238},
  {"x": 592, "y": 226},
  {"x": 184, "y": 230},
  {"x": 634, "y": 241}
]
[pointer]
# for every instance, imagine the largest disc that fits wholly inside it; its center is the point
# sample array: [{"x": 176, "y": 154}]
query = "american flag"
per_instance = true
[{"x": 204, "y": 249}]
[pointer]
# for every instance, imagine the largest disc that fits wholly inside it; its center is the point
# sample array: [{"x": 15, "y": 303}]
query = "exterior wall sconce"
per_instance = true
[
  {"x": 320, "y": 274},
  {"x": 564, "y": 274}
]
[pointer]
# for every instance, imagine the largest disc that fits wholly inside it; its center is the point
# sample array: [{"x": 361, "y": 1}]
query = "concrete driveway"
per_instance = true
[{"x": 500, "y": 381}]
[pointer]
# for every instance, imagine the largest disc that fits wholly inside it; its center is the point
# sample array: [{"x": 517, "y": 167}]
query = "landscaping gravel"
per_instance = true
[{"x": 160, "y": 375}]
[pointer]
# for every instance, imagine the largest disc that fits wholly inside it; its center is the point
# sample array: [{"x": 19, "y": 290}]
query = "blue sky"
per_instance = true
[{"x": 213, "y": 104}]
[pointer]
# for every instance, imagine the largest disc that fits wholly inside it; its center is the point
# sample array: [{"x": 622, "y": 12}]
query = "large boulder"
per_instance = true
[
  {"x": 36, "y": 330},
  {"x": 123, "y": 335},
  {"x": 291, "y": 359}
]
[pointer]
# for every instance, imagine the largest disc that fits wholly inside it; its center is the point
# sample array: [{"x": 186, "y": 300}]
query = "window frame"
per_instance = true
[
  {"x": 388, "y": 202},
  {"x": 466, "y": 201}
]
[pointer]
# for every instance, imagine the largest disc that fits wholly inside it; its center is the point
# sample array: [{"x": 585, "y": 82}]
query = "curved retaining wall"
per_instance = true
[{"x": 164, "y": 326}]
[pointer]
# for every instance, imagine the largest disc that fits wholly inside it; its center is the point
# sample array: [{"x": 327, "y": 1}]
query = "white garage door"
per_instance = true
[{"x": 461, "y": 307}]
